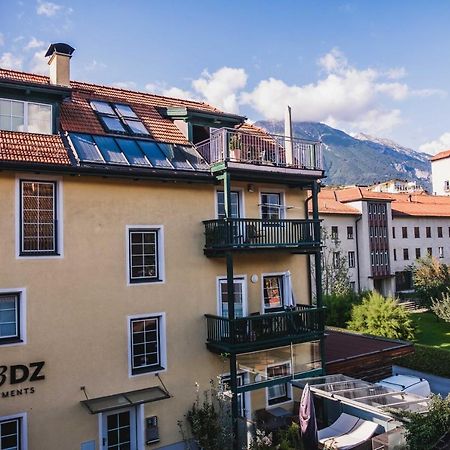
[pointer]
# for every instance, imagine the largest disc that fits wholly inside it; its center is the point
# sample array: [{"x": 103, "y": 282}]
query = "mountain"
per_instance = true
[{"x": 360, "y": 159}]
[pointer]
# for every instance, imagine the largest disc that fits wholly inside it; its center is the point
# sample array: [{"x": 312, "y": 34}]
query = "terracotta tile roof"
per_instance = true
[
  {"x": 328, "y": 204},
  {"x": 441, "y": 155},
  {"x": 334, "y": 201},
  {"x": 357, "y": 193},
  {"x": 78, "y": 116},
  {"x": 31, "y": 147}
]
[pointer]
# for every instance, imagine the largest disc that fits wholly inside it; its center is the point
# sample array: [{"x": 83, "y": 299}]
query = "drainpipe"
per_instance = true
[
  {"x": 309, "y": 256},
  {"x": 357, "y": 254}
]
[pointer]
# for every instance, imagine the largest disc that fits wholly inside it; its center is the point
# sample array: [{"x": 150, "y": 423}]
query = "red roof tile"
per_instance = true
[
  {"x": 31, "y": 147},
  {"x": 328, "y": 204},
  {"x": 441, "y": 155}
]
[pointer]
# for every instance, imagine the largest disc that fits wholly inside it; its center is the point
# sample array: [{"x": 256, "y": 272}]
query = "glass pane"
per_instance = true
[
  {"x": 109, "y": 149},
  {"x": 132, "y": 152},
  {"x": 39, "y": 118},
  {"x": 113, "y": 124},
  {"x": 102, "y": 107},
  {"x": 273, "y": 292},
  {"x": 154, "y": 154},
  {"x": 17, "y": 109},
  {"x": 137, "y": 127},
  {"x": 175, "y": 155},
  {"x": 194, "y": 158},
  {"x": 85, "y": 147},
  {"x": 17, "y": 124},
  {"x": 5, "y": 123},
  {"x": 5, "y": 107},
  {"x": 125, "y": 110}
]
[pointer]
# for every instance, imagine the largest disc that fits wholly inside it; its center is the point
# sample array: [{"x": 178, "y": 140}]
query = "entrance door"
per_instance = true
[
  {"x": 119, "y": 430},
  {"x": 240, "y": 301}
]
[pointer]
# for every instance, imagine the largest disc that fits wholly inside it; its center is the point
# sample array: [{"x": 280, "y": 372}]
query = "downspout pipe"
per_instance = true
[{"x": 357, "y": 254}]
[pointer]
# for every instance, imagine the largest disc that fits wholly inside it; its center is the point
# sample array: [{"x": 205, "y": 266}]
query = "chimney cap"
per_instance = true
[{"x": 60, "y": 47}]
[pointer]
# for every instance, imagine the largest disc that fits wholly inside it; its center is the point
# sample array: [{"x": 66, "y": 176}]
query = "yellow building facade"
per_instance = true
[{"x": 105, "y": 280}]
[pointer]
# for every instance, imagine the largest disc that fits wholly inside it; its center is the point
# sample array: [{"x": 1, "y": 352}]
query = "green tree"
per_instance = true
[
  {"x": 423, "y": 430},
  {"x": 339, "y": 307},
  {"x": 381, "y": 316},
  {"x": 441, "y": 306},
  {"x": 431, "y": 279}
]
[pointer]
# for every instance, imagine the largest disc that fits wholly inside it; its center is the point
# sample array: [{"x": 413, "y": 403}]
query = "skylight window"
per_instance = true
[{"x": 119, "y": 118}]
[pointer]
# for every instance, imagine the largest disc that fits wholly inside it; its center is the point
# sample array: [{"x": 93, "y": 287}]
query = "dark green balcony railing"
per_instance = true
[
  {"x": 229, "y": 234},
  {"x": 262, "y": 331}
]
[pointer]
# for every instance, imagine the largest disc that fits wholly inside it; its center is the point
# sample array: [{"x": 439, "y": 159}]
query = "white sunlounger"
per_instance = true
[
  {"x": 361, "y": 433},
  {"x": 343, "y": 424}
]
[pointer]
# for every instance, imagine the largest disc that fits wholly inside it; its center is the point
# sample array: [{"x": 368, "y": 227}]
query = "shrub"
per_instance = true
[
  {"x": 381, "y": 316},
  {"x": 431, "y": 279},
  {"x": 441, "y": 306},
  {"x": 339, "y": 307},
  {"x": 289, "y": 439},
  {"x": 424, "y": 430},
  {"x": 428, "y": 359}
]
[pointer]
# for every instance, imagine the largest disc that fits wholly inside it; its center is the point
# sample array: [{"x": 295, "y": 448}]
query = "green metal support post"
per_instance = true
[
  {"x": 318, "y": 264},
  {"x": 231, "y": 315}
]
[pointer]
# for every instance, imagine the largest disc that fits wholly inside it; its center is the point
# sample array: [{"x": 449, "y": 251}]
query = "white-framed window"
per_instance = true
[
  {"x": 236, "y": 204},
  {"x": 351, "y": 259},
  {"x": 39, "y": 211},
  {"x": 273, "y": 292},
  {"x": 12, "y": 316},
  {"x": 145, "y": 254},
  {"x": 32, "y": 117},
  {"x": 278, "y": 393},
  {"x": 447, "y": 185},
  {"x": 441, "y": 252},
  {"x": 147, "y": 343},
  {"x": 272, "y": 205},
  {"x": 13, "y": 432},
  {"x": 334, "y": 233},
  {"x": 240, "y": 296},
  {"x": 336, "y": 259}
]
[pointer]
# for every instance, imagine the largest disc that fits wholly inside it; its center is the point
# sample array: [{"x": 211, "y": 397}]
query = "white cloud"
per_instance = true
[
  {"x": 48, "y": 9},
  {"x": 34, "y": 43},
  {"x": 343, "y": 95},
  {"x": 9, "y": 61},
  {"x": 39, "y": 63},
  {"x": 221, "y": 87},
  {"x": 396, "y": 73},
  {"x": 438, "y": 145},
  {"x": 125, "y": 84},
  {"x": 94, "y": 65}
]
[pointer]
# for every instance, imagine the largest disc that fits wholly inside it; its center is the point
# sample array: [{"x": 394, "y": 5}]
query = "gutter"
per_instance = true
[{"x": 357, "y": 253}]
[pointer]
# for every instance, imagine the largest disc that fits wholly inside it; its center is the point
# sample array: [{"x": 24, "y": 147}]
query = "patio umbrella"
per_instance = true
[{"x": 308, "y": 424}]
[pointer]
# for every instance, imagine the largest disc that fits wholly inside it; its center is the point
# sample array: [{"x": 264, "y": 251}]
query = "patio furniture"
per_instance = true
[
  {"x": 343, "y": 424},
  {"x": 358, "y": 435}
]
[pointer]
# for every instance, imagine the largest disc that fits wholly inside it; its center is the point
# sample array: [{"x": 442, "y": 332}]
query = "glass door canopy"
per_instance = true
[{"x": 363, "y": 395}]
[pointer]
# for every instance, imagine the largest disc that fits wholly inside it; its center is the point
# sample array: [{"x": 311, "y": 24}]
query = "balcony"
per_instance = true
[
  {"x": 262, "y": 152},
  {"x": 296, "y": 235},
  {"x": 263, "y": 331}
]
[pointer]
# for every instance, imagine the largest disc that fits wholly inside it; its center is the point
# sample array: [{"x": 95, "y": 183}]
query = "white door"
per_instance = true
[
  {"x": 119, "y": 430},
  {"x": 240, "y": 297}
]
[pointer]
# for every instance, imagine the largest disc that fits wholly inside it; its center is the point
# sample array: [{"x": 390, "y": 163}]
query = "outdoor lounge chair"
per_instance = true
[
  {"x": 361, "y": 432},
  {"x": 343, "y": 424}
]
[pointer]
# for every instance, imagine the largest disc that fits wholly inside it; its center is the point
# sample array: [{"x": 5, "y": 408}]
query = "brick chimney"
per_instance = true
[{"x": 59, "y": 63}]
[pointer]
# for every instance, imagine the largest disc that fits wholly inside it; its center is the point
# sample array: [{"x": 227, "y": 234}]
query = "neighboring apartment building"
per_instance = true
[
  {"x": 382, "y": 235},
  {"x": 440, "y": 173},
  {"x": 396, "y": 186},
  {"x": 107, "y": 271}
]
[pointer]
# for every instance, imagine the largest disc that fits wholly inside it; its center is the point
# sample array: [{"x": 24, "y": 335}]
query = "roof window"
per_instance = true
[{"x": 119, "y": 118}]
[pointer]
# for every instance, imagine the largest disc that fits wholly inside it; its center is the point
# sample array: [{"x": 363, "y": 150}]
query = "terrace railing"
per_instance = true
[
  {"x": 262, "y": 149},
  {"x": 264, "y": 330},
  {"x": 235, "y": 234}
]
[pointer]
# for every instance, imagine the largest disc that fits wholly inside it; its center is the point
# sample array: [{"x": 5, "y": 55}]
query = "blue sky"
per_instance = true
[{"x": 378, "y": 67}]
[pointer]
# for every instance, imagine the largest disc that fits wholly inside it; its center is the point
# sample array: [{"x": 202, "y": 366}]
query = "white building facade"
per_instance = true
[{"x": 440, "y": 173}]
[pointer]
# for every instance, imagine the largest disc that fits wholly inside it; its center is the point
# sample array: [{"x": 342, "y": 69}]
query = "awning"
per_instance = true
[
  {"x": 125, "y": 399},
  {"x": 363, "y": 395}
]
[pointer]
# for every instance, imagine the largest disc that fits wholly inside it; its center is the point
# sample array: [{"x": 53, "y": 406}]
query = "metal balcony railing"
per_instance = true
[
  {"x": 235, "y": 234},
  {"x": 264, "y": 330},
  {"x": 261, "y": 149}
]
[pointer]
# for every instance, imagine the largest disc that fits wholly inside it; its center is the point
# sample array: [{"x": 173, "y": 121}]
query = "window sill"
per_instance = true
[
  {"x": 278, "y": 401},
  {"x": 38, "y": 254},
  {"x": 145, "y": 281},
  {"x": 149, "y": 370},
  {"x": 8, "y": 341}
]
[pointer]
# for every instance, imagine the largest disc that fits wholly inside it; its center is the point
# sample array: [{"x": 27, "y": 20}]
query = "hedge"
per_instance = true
[{"x": 427, "y": 359}]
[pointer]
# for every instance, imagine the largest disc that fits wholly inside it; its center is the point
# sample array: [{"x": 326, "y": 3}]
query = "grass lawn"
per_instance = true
[{"x": 431, "y": 331}]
